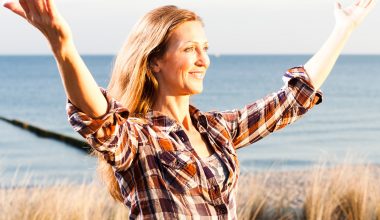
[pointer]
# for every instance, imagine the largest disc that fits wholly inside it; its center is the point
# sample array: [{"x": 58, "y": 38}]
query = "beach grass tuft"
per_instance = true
[{"x": 341, "y": 192}]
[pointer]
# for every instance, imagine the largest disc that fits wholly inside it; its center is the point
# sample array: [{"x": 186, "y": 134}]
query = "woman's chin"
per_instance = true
[
  {"x": 191, "y": 90},
  {"x": 196, "y": 90}
]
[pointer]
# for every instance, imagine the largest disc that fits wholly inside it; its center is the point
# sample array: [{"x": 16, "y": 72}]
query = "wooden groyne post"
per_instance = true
[{"x": 78, "y": 144}]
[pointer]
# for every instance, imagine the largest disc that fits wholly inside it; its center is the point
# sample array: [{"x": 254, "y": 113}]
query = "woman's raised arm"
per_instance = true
[
  {"x": 347, "y": 19},
  {"x": 80, "y": 86}
]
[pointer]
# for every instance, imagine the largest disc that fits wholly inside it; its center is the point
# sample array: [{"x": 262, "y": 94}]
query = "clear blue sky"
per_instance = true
[{"x": 233, "y": 27}]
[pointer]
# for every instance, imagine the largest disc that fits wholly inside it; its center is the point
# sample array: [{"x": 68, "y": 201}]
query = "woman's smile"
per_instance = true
[
  {"x": 197, "y": 74},
  {"x": 181, "y": 70}
]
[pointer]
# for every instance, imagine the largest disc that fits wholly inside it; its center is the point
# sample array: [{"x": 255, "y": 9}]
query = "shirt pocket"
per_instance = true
[{"x": 179, "y": 170}]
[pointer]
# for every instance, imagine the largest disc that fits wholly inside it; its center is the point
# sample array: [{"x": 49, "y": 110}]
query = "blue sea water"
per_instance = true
[{"x": 348, "y": 120}]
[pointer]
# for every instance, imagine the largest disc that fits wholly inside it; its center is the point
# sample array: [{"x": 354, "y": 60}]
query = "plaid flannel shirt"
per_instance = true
[{"x": 159, "y": 173}]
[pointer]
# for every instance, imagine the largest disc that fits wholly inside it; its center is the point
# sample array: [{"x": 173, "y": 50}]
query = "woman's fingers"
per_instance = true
[
  {"x": 51, "y": 7},
  {"x": 338, "y": 5},
  {"x": 363, "y": 3},
  {"x": 371, "y": 3},
  {"x": 40, "y": 6},
  {"x": 16, "y": 8},
  {"x": 357, "y": 2},
  {"x": 24, "y": 6},
  {"x": 43, "y": 16},
  {"x": 32, "y": 13}
]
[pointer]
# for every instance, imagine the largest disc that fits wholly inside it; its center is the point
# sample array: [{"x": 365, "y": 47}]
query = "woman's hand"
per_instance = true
[
  {"x": 352, "y": 16},
  {"x": 347, "y": 19},
  {"x": 43, "y": 15},
  {"x": 80, "y": 86}
]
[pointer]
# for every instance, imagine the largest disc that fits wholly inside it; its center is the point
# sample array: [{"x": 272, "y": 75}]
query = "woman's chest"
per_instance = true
[
  {"x": 200, "y": 144},
  {"x": 176, "y": 159}
]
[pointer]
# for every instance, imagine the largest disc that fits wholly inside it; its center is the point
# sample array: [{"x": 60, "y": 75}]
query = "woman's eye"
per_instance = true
[
  {"x": 205, "y": 48},
  {"x": 189, "y": 49}
]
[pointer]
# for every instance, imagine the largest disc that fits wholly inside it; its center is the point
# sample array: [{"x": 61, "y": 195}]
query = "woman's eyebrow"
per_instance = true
[{"x": 196, "y": 42}]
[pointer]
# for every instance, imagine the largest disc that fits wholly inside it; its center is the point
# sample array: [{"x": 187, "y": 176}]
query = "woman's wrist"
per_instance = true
[
  {"x": 59, "y": 35},
  {"x": 62, "y": 47},
  {"x": 343, "y": 29}
]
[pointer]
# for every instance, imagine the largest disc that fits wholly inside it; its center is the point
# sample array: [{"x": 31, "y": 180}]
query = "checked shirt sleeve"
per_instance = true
[
  {"x": 275, "y": 111},
  {"x": 112, "y": 135}
]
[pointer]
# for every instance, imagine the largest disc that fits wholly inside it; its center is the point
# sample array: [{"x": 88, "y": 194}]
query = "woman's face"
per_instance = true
[{"x": 180, "y": 71}]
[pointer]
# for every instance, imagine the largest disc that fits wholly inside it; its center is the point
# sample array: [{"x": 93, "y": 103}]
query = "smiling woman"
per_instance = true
[
  {"x": 161, "y": 156},
  {"x": 185, "y": 62}
]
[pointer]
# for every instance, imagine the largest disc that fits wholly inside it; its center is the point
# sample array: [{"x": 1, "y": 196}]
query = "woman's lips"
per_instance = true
[{"x": 197, "y": 74}]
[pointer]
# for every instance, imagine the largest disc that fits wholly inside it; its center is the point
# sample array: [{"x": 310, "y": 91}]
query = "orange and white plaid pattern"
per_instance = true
[{"x": 159, "y": 173}]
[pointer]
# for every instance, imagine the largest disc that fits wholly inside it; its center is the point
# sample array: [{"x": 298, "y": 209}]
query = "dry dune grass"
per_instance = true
[
  {"x": 87, "y": 201},
  {"x": 345, "y": 192},
  {"x": 323, "y": 193}
]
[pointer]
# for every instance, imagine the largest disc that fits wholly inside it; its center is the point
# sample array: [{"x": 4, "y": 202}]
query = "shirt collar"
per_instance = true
[{"x": 166, "y": 124}]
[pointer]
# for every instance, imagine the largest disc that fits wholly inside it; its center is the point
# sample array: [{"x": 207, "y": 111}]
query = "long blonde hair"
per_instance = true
[{"x": 133, "y": 82}]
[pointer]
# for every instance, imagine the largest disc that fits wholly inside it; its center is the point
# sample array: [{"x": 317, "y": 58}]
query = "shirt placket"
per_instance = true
[
  {"x": 226, "y": 158},
  {"x": 215, "y": 192}
]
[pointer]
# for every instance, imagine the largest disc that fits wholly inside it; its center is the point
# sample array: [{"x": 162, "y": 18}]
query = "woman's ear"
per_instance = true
[{"x": 155, "y": 65}]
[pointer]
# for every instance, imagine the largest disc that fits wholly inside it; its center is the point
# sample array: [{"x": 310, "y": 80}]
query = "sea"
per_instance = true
[{"x": 345, "y": 127}]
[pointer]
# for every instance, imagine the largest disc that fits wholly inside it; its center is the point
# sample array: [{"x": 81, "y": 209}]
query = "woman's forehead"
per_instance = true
[{"x": 188, "y": 32}]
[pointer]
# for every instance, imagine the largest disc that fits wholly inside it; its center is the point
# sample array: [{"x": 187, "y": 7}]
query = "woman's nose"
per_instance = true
[{"x": 202, "y": 59}]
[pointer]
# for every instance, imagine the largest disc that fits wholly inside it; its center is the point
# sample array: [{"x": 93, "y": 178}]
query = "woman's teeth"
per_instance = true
[{"x": 198, "y": 75}]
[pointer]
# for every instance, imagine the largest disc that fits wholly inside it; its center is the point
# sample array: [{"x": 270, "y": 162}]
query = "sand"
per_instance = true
[{"x": 289, "y": 188}]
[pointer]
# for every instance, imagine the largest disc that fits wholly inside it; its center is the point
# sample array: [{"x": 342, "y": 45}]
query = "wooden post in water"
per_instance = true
[{"x": 78, "y": 144}]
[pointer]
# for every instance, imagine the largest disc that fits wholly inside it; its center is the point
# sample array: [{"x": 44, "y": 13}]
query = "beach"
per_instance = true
[{"x": 343, "y": 192}]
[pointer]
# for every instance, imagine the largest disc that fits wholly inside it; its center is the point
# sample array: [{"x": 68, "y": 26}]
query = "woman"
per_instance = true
[{"x": 164, "y": 158}]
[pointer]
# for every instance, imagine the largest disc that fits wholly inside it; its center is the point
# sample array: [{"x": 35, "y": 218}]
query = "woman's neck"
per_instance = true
[{"x": 176, "y": 107}]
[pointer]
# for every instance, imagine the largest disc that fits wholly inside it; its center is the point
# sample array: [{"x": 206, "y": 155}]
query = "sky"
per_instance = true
[{"x": 232, "y": 27}]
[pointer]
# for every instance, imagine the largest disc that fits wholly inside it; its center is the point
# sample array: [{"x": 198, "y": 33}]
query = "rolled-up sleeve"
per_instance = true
[
  {"x": 257, "y": 120},
  {"x": 304, "y": 93},
  {"x": 112, "y": 134}
]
